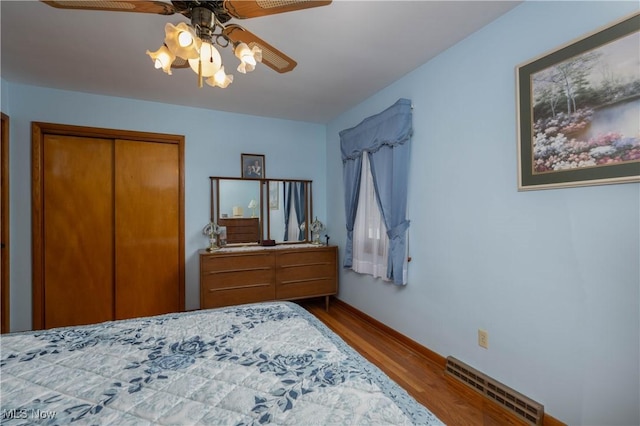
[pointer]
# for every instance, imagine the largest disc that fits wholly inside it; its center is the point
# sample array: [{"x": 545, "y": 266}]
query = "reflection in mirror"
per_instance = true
[
  {"x": 281, "y": 210},
  {"x": 239, "y": 209},
  {"x": 276, "y": 210},
  {"x": 288, "y": 210},
  {"x": 239, "y": 198}
]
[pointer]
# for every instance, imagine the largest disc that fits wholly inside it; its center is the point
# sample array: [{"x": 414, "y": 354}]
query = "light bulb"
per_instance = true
[{"x": 185, "y": 39}]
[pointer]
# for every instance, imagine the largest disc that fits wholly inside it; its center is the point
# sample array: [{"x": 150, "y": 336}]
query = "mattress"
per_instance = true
[{"x": 268, "y": 363}]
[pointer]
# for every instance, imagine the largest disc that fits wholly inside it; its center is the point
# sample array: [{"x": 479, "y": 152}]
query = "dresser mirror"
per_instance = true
[{"x": 253, "y": 210}]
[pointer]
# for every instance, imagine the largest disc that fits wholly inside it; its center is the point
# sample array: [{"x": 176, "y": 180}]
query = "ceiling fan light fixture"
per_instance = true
[
  {"x": 162, "y": 58},
  {"x": 220, "y": 79},
  {"x": 248, "y": 57},
  {"x": 257, "y": 53},
  {"x": 181, "y": 39},
  {"x": 193, "y": 43}
]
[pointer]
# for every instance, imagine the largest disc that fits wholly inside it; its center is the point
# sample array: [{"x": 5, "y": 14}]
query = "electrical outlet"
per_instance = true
[{"x": 483, "y": 338}]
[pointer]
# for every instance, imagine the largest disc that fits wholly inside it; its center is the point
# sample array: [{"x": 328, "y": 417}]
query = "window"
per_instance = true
[
  {"x": 383, "y": 142},
  {"x": 370, "y": 240}
]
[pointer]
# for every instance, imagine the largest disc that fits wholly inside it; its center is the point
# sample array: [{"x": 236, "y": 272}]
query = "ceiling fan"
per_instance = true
[{"x": 193, "y": 45}]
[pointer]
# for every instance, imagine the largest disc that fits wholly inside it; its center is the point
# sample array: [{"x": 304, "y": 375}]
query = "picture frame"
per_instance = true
[
  {"x": 252, "y": 166},
  {"x": 579, "y": 111}
]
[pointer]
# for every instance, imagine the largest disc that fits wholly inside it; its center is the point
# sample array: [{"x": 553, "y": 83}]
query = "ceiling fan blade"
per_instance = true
[
  {"x": 271, "y": 57},
  {"x": 180, "y": 63},
  {"x": 158, "y": 7},
  {"x": 243, "y": 9}
]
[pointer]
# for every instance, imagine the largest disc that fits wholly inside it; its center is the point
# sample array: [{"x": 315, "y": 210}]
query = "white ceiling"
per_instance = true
[{"x": 346, "y": 52}]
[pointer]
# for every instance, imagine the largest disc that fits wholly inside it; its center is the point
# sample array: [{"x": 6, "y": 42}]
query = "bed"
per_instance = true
[{"x": 249, "y": 364}]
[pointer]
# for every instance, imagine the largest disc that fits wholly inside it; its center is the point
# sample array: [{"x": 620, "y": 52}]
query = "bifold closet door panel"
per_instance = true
[
  {"x": 147, "y": 221},
  {"x": 78, "y": 230}
]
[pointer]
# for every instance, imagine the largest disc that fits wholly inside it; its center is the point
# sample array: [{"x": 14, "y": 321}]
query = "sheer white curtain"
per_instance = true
[
  {"x": 293, "y": 228},
  {"x": 370, "y": 240}
]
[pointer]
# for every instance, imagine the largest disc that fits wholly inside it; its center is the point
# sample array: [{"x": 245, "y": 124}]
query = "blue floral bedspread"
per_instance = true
[{"x": 250, "y": 364}]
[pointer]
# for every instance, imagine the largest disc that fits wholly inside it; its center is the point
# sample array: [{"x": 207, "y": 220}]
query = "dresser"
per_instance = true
[{"x": 236, "y": 275}]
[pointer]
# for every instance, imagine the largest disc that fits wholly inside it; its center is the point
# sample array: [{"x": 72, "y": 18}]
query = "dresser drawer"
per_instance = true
[
  {"x": 319, "y": 256},
  {"x": 222, "y": 280},
  {"x": 306, "y": 273},
  {"x": 236, "y": 278},
  {"x": 236, "y": 262},
  {"x": 300, "y": 288},
  {"x": 215, "y": 298}
]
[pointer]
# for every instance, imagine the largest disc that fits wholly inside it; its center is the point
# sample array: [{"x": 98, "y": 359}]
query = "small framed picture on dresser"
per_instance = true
[{"x": 252, "y": 166}]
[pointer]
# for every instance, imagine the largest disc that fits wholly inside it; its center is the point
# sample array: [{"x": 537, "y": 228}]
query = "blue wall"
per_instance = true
[
  {"x": 213, "y": 144},
  {"x": 553, "y": 275}
]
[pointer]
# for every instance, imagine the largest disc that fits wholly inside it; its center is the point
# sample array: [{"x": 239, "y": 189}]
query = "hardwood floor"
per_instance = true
[{"x": 419, "y": 375}]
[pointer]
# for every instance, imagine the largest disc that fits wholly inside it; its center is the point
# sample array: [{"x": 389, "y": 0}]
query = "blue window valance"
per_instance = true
[{"x": 386, "y": 137}]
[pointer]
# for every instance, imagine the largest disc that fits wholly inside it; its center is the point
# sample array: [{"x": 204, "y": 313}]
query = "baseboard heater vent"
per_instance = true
[{"x": 525, "y": 408}]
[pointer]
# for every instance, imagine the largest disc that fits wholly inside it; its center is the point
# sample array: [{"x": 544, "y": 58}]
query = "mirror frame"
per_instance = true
[{"x": 265, "y": 213}]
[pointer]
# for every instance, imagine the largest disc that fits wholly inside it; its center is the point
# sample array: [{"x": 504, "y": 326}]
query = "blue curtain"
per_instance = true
[
  {"x": 387, "y": 139},
  {"x": 299, "y": 204},
  {"x": 351, "y": 171},
  {"x": 294, "y": 192},
  {"x": 287, "y": 208}
]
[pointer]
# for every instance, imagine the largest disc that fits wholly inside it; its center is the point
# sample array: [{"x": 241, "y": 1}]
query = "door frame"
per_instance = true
[
  {"x": 38, "y": 132},
  {"x": 5, "y": 282}
]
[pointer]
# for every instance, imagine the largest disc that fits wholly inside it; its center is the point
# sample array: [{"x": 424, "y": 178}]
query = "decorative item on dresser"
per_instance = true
[
  {"x": 211, "y": 230},
  {"x": 253, "y": 204},
  {"x": 254, "y": 274},
  {"x": 315, "y": 227}
]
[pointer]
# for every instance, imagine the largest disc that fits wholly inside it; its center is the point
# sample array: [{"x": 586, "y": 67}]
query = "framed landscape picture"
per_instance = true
[{"x": 579, "y": 111}]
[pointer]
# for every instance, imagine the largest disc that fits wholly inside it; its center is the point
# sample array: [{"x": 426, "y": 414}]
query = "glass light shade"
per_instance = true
[
  {"x": 220, "y": 79},
  {"x": 181, "y": 39},
  {"x": 211, "y": 60},
  {"x": 248, "y": 57},
  {"x": 162, "y": 58}
]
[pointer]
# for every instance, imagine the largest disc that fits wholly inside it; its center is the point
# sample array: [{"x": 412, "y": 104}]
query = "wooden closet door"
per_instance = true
[
  {"x": 147, "y": 228},
  {"x": 78, "y": 230}
]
